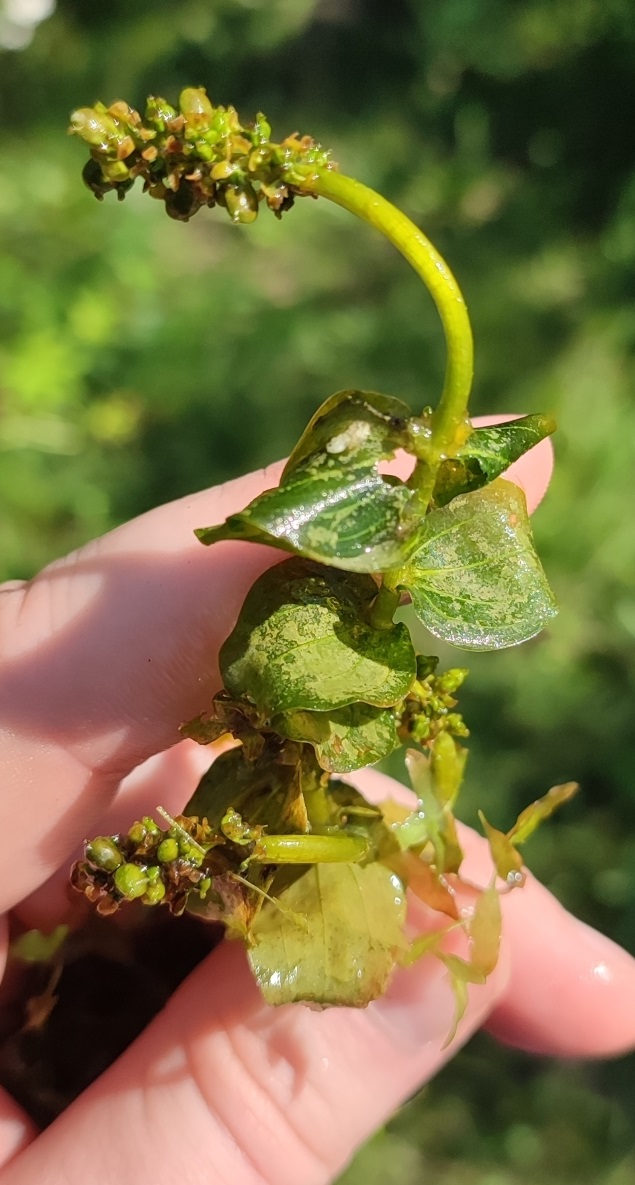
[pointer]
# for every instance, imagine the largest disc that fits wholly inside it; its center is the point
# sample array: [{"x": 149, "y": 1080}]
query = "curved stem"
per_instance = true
[{"x": 449, "y": 417}]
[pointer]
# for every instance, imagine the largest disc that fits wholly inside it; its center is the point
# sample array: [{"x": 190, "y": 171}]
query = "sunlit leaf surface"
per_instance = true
[
  {"x": 533, "y": 815},
  {"x": 476, "y": 581},
  {"x": 487, "y": 453},
  {"x": 345, "y": 738},
  {"x": 345, "y": 951},
  {"x": 332, "y": 504},
  {"x": 301, "y": 641}
]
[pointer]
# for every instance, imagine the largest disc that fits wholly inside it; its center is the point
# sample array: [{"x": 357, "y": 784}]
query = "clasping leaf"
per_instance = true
[
  {"x": 302, "y": 642},
  {"x": 345, "y": 739},
  {"x": 476, "y": 580}
]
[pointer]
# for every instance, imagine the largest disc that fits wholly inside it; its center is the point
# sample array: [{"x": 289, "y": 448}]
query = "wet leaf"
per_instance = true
[
  {"x": 356, "y": 425},
  {"x": 460, "y": 974},
  {"x": 487, "y": 453},
  {"x": 332, "y": 504},
  {"x": 532, "y": 816},
  {"x": 476, "y": 581},
  {"x": 432, "y": 822},
  {"x": 344, "y": 739},
  {"x": 264, "y": 792},
  {"x": 429, "y": 886},
  {"x": 507, "y": 861},
  {"x": 346, "y": 953},
  {"x": 484, "y": 931},
  {"x": 301, "y": 641},
  {"x": 447, "y": 767}
]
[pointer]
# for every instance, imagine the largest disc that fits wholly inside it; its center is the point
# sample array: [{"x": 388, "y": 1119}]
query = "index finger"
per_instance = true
[{"x": 109, "y": 650}]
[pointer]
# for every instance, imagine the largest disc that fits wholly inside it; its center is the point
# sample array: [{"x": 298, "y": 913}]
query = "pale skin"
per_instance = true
[{"x": 102, "y": 656}]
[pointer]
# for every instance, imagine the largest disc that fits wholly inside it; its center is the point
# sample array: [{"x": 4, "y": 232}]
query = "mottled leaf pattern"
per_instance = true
[
  {"x": 476, "y": 581},
  {"x": 344, "y": 739},
  {"x": 301, "y": 641},
  {"x": 487, "y": 453},
  {"x": 332, "y": 505},
  {"x": 363, "y": 426},
  {"x": 343, "y": 948}
]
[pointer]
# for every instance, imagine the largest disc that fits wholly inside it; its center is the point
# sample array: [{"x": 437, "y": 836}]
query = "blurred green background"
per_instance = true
[{"x": 141, "y": 359}]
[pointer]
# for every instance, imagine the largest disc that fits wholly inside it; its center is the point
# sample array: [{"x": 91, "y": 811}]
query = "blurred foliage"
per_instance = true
[{"x": 134, "y": 350}]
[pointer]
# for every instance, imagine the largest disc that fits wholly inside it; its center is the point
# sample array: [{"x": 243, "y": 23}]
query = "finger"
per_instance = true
[
  {"x": 221, "y": 1087},
  {"x": 16, "y": 1129},
  {"x": 106, "y": 652},
  {"x": 570, "y": 990}
]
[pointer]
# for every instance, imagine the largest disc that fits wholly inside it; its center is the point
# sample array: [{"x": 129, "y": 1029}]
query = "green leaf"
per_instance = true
[
  {"x": 533, "y": 815},
  {"x": 264, "y": 792},
  {"x": 301, "y": 641},
  {"x": 432, "y": 822},
  {"x": 37, "y": 947},
  {"x": 448, "y": 768},
  {"x": 484, "y": 931},
  {"x": 363, "y": 426},
  {"x": 476, "y": 581},
  {"x": 487, "y": 453},
  {"x": 507, "y": 861},
  {"x": 346, "y": 952},
  {"x": 460, "y": 975},
  {"x": 332, "y": 504},
  {"x": 344, "y": 739}
]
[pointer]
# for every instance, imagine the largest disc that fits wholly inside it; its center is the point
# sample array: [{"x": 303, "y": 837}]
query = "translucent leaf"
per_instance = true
[
  {"x": 476, "y": 581},
  {"x": 426, "y": 884},
  {"x": 301, "y": 641},
  {"x": 264, "y": 792},
  {"x": 346, "y": 953},
  {"x": 332, "y": 504},
  {"x": 487, "y": 453},
  {"x": 484, "y": 931},
  {"x": 344, "y": 739},
  {"x": 432, "y": 822},
  {"x": 460, "y": 974},
  {"x": 533, "y": 815},
  {"x": 448, "y": 767},
  {"x": 507, "y": 860},
  {"x": 424, "y": 944}
]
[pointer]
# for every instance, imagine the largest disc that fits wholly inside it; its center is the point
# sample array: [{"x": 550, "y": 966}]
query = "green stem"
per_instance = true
[
  {"x": 382, "y": 610},
  {"x": 449, "y": 417},
  {"x": 310, "y": 849}
]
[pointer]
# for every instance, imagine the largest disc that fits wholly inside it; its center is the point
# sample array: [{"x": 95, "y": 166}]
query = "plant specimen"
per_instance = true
[{"x": 318, "y": 678}]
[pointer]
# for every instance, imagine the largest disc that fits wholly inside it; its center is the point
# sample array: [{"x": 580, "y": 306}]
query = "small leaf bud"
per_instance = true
[
  {"x": 194, "y": 101},
  {"x": 104, "y": 853},
  {"x": 241, "y": 202},
  {"x": 131, "y": 881},
  {"x": 154, "y": 893},
  {"x": 167, "y": 851}
]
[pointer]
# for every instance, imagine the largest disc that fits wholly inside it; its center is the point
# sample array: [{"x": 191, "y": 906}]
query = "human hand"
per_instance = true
[{"x": 102, "y": 656}]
